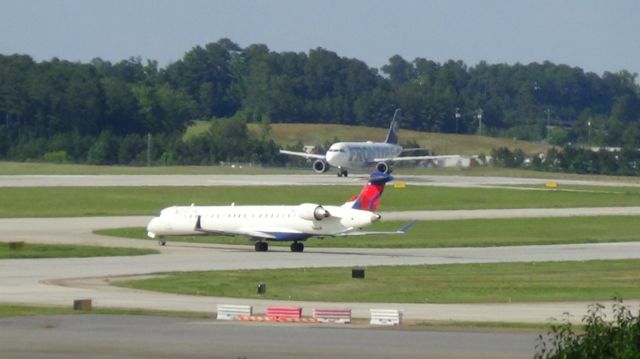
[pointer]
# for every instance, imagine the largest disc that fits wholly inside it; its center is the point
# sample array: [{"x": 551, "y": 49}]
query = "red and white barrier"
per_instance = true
[
  {"x": 279, "y": 314},
  {"x": 342, "y": 315},
  {"x": 286, "y": 313}
]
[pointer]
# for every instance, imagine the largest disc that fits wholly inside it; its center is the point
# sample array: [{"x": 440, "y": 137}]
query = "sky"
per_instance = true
[{"x": 597, "y": 36}]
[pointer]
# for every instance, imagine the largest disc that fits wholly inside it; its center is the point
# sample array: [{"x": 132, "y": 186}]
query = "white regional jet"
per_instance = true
[
  {"x": 276, "y": 223},
  {"x": 346, "y": 155}
]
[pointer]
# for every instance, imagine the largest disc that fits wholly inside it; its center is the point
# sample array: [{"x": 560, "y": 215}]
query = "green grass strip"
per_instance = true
[
  {"x": 118, "y": 201},
  {"x": 454, "y": 283},
  {"x": 14, "y": 310},
  {"x": 40, "y": 168},
  {"x": 32, "y": 250}
]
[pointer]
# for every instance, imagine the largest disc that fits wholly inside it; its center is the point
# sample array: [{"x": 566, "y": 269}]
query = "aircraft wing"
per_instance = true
[
  {"x": 247, "y": 233},
  {"x": 250, "y": 233},
  {"x": 414, "y": 158},
  {"x": 401, "y": 230},
  {"x": 303, "y": 154}
]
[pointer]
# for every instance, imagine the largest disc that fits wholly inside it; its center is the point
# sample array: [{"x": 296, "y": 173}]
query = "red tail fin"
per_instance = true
[{"x": 369, "y": 197}]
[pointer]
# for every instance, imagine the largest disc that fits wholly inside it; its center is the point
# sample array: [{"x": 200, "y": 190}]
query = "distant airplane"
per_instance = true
[
  {"x": 276, "y": 223},
  {"x": 349, "y": 155}
]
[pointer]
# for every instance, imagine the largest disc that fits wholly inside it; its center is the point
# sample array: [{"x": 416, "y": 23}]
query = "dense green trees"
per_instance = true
[
  {"x": 87, "y": 109},
  {"x": 624, "y": 162}
]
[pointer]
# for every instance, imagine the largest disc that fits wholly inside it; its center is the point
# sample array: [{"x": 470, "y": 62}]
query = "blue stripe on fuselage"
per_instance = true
[{"x": 282, "y": 236}]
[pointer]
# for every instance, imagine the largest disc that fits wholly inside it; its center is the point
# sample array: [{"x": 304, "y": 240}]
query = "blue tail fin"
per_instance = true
[
  {"x": 369, "y": 197},
  {"x": 392, "y": 135}
]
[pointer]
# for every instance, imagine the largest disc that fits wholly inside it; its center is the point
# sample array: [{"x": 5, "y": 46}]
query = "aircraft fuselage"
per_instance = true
[
  {"x": 360, "y": 154},
  {"x": 289, "y": 223}
]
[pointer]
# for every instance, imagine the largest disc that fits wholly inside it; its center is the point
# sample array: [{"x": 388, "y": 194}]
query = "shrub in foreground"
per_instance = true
[{"x": 618, "y": 338}]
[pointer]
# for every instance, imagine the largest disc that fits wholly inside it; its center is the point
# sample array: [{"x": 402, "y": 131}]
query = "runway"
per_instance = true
[
  {"x": 107, "y": 337},
  {"x": 62, "y": 280},
  {"x": 280, "y": 180},
  {"x": 59, "y": 281}
]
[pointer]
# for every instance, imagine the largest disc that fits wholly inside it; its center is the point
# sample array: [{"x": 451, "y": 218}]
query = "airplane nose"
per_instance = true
[
  {"x": 152, "y": 227},
  {"x": 330, "y": 157}
]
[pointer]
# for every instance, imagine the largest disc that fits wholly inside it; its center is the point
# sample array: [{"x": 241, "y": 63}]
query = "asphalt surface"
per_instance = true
[
  {"x": 108, "y": 336},
  {"x": 277, "y": 180},
  {"x": 60, "y": 281}
]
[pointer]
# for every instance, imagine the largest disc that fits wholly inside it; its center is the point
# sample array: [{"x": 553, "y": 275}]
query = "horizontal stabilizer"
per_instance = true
[{"x": 401, "y": 230}]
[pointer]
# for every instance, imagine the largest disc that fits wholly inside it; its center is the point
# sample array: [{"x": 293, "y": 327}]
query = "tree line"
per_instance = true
[
  {"x": 572, "y": 159},
  {"x": 103, "y": 112}
]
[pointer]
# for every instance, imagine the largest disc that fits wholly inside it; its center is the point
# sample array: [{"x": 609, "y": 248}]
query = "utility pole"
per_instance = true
[
  {"x": 479, "y": 117},
  {"x": 149, "y": 149},
  {"x": 548, "y": 113}
]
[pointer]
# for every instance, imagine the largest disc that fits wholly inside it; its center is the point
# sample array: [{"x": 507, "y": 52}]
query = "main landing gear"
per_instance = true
[
  {"x": 297, "y": 247},
  {"x": 261, "y": 246},
  {"x": 162, "y": 241},
  {"x": 342, "y": 173},
  {"x": 264, "y": 246}
]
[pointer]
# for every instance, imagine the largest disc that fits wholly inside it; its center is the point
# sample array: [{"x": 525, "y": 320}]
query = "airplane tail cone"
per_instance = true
[{"x": 369, "y": 197}]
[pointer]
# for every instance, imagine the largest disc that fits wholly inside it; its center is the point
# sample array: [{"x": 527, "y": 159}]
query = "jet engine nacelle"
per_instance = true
[
  {"x": 312, "y": 212},
  {"x": 320, "y": 166},
  {"x": 383, "y": 167}
]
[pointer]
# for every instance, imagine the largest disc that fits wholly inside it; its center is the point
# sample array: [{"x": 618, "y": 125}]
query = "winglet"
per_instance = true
[
  {"x": 369, "y": 197},
  {"x": 406, "y": 227}
]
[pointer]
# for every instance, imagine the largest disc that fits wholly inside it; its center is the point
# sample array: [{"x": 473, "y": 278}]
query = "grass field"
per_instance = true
[
  {"x": 11, "y": 310},
  {"x": 32, "y": 250},
  {"x": 38, "y": 168},
  {"x": 318, "y": 134},
  {"x": 595, "y": 280},
  {"x": 469, "y": 283},
  {"x": 113, "y": 201},
  {"x": 459, "y": 233},
  {"x": 440, "y": 143}
]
